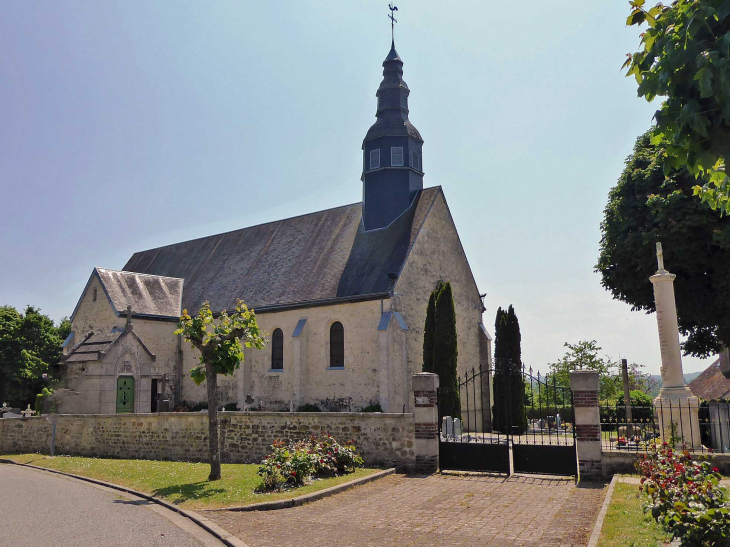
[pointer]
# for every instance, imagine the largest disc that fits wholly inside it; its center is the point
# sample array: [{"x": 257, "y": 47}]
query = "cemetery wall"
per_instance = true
[
  {"x": 19, "y": 435},
  {"x": 246, "y": 437},
  {"x": 623, "y": 462}
]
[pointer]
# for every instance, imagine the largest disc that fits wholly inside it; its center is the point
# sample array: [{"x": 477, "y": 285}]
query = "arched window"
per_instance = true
[
  {"x": 277, "y": 350},
  {"x": 337, "y": 345}
]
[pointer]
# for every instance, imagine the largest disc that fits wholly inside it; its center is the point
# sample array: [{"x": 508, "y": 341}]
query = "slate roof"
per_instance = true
[
  {"x": 316, "y": 258},
  {"x": 94, "y": 346},
  {"x": 713, "y": 383},
  {"x": 149, "y": 295}
]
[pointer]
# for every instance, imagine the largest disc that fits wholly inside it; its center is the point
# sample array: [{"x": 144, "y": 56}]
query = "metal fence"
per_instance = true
[{"x": 703, "y": 428}]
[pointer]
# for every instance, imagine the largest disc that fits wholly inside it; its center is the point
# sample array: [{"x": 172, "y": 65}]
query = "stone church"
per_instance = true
[{"x": 342, "y": 294}]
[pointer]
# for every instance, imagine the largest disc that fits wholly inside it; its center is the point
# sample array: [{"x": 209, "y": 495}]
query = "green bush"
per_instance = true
[
  {"x": 231, "y": 407},
  {"x": 44, "y": 394},
  {"x": 685, "y": 497},
  {"x": 308, "y": 408},
  {"x": 373, "y": 407},
  {"x": 295, "y": 464}
]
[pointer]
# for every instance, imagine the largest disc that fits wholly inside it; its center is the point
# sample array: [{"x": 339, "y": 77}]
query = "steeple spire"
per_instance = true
[
  {"x": 392, "y": 161},
  {"x": 393, "y": 20}
]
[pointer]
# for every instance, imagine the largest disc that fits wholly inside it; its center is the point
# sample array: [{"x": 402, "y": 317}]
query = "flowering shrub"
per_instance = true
[
  {"x": 296, "y": 463},
  {"x": 685, "y": 497}
]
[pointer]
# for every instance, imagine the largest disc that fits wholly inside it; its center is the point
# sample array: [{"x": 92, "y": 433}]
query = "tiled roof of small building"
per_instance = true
[
  {"x": 302, "y": 260},
  {"x": 713, "y": 383},
  {"x": 94, "y": 346},
  {"x": 148, "y": 295}
]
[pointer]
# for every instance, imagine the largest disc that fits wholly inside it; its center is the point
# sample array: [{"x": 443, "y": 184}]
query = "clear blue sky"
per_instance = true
[{"x": 133, "y": 124}]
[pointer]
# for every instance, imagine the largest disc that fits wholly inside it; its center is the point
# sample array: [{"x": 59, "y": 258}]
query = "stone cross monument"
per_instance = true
[{"x": 677, "y": 409}]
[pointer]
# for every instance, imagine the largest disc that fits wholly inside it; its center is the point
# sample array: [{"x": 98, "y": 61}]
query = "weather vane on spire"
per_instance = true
[{"x": 393, "y": 20}]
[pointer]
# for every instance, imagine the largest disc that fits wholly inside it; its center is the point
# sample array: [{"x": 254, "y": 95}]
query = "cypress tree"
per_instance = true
[
  {"x": 428, "y": 332},
  {"x": 445, "y": 353},
  {"x": 509, "y": 388}
]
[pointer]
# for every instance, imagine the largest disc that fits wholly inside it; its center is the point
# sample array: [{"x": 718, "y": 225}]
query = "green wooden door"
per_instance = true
[{"x": 125, "y": 394}]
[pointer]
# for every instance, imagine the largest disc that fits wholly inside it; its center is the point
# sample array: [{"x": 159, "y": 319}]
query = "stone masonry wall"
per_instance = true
[
  {"x": 246, "y": 437},
  {"x": 19, "y": 435}
]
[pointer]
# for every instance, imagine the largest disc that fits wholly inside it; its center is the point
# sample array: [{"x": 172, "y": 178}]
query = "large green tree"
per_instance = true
[
  {"x": 220, "y": 342},
  {"x": 445, "y": 352},
  {"x": 685, "y": 57},
  {"x": 585, "y": 356},
  {"x": 29, "y": 345},
  {"x": 646, "y": 207},
  {"x": 508, "y": 411}
]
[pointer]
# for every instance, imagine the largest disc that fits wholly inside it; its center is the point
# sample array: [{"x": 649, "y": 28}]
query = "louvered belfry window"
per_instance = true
[
  {"x": 396, "y": 156},
  {"x": 375, "y": 158},
  {"x": 337, "y": 345},
  {"x": 414, "y": 160},
  {"x": 277, "y": 350}
]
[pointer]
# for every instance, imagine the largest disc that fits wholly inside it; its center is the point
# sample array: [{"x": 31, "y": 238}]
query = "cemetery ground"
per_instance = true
[{"x": 182, "y": 483}]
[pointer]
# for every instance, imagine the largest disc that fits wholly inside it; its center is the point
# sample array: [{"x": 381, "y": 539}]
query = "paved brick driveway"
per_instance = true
[{"x": 439, "y": 510}]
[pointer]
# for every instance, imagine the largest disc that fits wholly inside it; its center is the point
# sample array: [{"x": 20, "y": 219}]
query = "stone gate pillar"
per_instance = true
[
  {"x": 584, "y": 384},
  {"x": 425, "y": 385}
]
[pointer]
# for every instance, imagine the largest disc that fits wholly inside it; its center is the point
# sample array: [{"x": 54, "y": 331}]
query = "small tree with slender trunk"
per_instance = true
[{"x": 220, "y": 344}]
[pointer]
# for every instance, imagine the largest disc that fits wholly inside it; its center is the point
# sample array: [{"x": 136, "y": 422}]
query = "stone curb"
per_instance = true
[
  {"x": 596, "y": 534},
  {"x": 210, "y": 527},
  {"x": 307, "y": 498}
]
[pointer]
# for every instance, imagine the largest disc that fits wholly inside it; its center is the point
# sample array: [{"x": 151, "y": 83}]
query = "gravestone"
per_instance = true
[
  {"x": 447, "y": 426},
  {"x": 458, "y": 428}
]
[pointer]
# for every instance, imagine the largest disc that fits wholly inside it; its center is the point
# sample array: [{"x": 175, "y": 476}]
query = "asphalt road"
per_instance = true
[{"x": 40, "y": 509}]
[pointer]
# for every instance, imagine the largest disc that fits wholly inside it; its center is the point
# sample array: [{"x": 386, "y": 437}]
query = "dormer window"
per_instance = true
[
  {"x": 375, "y": 158},
  {"x": 396, "y": 156},
  {"x": 415, "y": 160}
]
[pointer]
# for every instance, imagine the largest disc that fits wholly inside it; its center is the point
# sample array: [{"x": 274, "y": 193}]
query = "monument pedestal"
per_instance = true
[{"x": 677, "y": 417}]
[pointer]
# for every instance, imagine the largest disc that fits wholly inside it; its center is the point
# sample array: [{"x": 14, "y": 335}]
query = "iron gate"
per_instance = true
[{"x": 514, "y": 422}]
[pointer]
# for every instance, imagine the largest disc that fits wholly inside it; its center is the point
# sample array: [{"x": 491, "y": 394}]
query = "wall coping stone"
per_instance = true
[
  {"x": 584, "y": 380},
  {"x": 373, "y": 415}
]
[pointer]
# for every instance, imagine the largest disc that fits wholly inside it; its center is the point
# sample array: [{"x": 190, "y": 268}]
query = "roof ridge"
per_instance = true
[{"x": 137, "y": 273}]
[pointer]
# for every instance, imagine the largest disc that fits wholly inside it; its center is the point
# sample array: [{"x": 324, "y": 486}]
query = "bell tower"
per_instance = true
[{"x": 392, "y": 172}]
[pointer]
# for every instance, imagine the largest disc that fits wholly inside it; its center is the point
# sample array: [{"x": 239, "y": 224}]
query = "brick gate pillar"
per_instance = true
[
  {"x": 425, "y": 385},
  {"x": 584, "y": 384}
]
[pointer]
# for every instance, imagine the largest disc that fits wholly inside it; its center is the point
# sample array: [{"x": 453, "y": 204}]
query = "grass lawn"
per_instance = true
[
  {"x": 626, "y": 525},
  {"x": 181, "y": 483}
]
